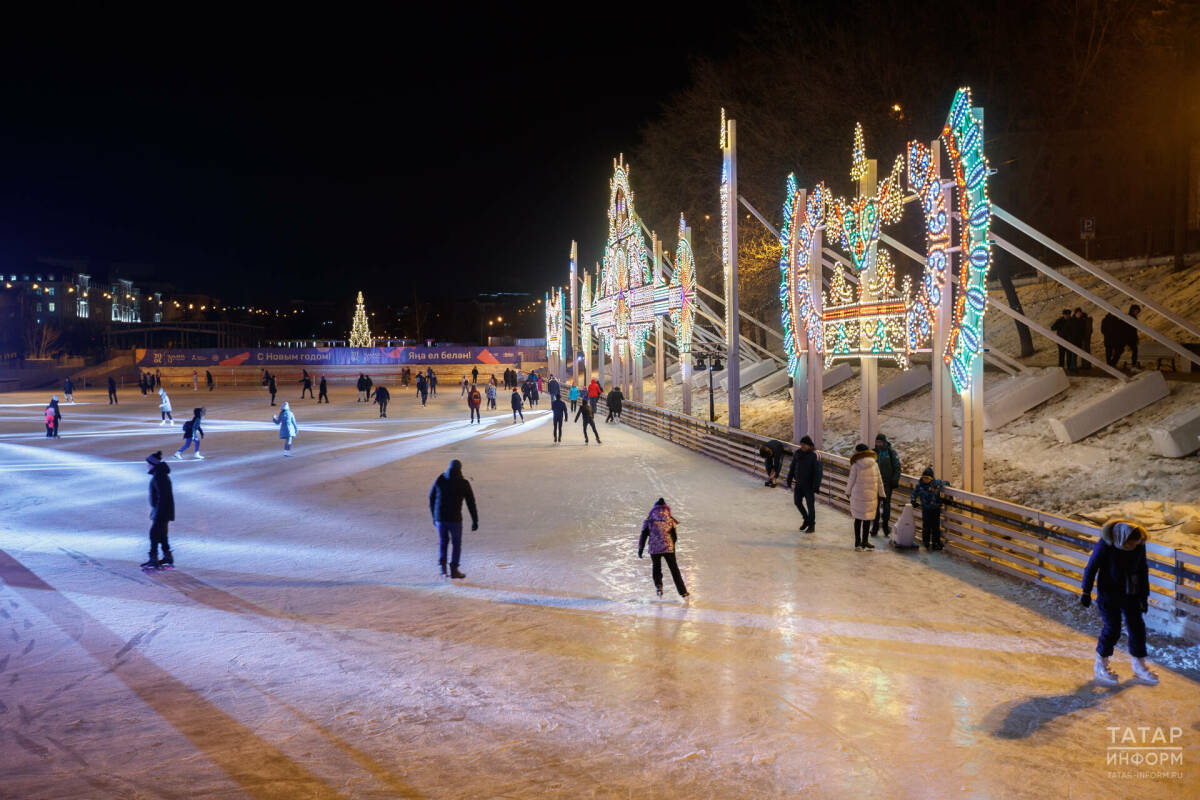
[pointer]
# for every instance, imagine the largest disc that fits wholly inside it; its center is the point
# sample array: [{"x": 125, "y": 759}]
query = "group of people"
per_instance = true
[{"x": 1075, "y": 328}]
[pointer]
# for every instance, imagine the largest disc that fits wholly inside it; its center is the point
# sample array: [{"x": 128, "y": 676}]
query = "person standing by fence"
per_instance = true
[
  {"x": 804, "y": 478},
  {"x": 927, "y": 496},
  {"x": 1120, "y": 572},
  {"x": 864, "y": 487},
  {"x": 889, "y": 470}
]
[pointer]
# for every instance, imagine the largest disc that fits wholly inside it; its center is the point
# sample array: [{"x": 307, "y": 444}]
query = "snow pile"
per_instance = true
[{"x": 1172, "y": 524}]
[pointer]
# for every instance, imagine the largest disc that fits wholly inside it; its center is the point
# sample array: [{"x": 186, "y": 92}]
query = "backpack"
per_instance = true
[
  {"x": 187, "y": 428},
  {"x": 49, "y": 415}
]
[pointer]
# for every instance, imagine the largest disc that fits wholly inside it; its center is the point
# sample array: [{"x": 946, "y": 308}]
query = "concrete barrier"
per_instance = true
[
  {"x": 839, "y": 373},
  {"x": 1121, "y": 401},
  {"x": 1178, "y": 435},
  {"x": 1011, "y": 398},
  {"x": 753, "y": 371},
  {"x": 903, "y": 384}
]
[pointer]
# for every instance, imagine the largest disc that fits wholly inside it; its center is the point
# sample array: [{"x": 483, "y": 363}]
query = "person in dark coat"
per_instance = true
[
  {"x": 474, "y": 401},
  {"x": 772, "y": 455},
  {"x": 559, "y": 409},
  {"x": 1084, "y": 321},
  {"x": 1119, "y": 570},
  {"x": 1119, "y": 334},
  {"x": 162, "y": 511},
  {"x": 474, "y": 376},
  {"x": 553, "y": 389},
  {"x": 1063, "y": 327},
  {"x": 382, "y": 397},
  {"x": 323, "y": 392},
  {"x": 889, "y": 470},
  {"x": 517, "y": 405},
  {"x": 271, "y": 387},
  {"x": 585, "y": 411},
  {"x": 143, "y": 384},
  {"x": 192, "y": 434},
  {"x": 368, "y": 384},
  {"x": 68, "y": 390},
  {"x": 422, "y": 388},
  {"x": 804, "y": 479},
  {"x": 112, "y": 391},
  {"x": 208, "y": 380},
  {"x": 660, "y": 532},
  {"x": 927, "y": 496},
  {"x": 361, "y": 385},
  {"x": 614, "y": 400},
  {"x": 432, "y": 382},
  {"x": 53, "y": 415},
  {"x": 445, "y": 504},
  {"x": 307, "y": 386}
]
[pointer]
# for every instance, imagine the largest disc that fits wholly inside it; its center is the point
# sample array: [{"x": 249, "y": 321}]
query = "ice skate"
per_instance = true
[
  {"x": 658, "y": 590},
  {"x": 1142, "y": 672},
  {"x": 199, "y": 456},
  {"x": 178, "y": 455},
  {"x": 152, "y": 564},
  {"x": 1104, "y": 676},
  {"x": 454, "y": 573},
  {"x": 868, "y": 546},
  {"x": 442, "y": 565},
  {"x": 858, "y": 548}
]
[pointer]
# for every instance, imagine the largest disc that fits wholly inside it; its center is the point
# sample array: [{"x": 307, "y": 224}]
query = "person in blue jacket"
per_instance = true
[
  {"x": 288, "y": 429},
  {"x": 192, "y": 434},
  {"x": 1121, "y": 575},
  {"x": 927, "y": 496}
]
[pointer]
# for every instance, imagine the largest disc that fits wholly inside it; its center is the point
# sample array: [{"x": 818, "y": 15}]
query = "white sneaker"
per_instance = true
[
  {"x": 199, "y": 456},
  {"x": 287, "y": 454},
  {"x": 178, "y": 456},
  {"x": 164, "y": 422},
  {"x": 1142, "y": 672},
  {"x": 1104, "y": 676}
]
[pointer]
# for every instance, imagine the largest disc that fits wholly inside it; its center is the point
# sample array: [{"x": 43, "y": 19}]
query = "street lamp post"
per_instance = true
[{"x": 713, "y": 358}]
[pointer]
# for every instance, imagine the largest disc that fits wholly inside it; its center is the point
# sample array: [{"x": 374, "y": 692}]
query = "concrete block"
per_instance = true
[
  {"x": 1011, "y": 398},
  {"x": 1121, "y": 401},
  {"x": 753, "y": 371},
  {"x": 672, "y": 370},
  {"x": 772, "y": 383},
  {"x": 839, "y": 373},
  {"x": 1178, "y": 435},
  {"x": 903, "y": 384},
  {"x": 648, "y": 370}
]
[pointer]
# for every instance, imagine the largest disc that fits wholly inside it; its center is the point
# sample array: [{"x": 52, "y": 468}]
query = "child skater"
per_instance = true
[
  {"x": 288, "y": 429},
  {"x": 1119, "y": 570},
  {"x": 927, "y": 496},
  {"x": 192, "y": 434},
  {"x": 659, "y": 531}
]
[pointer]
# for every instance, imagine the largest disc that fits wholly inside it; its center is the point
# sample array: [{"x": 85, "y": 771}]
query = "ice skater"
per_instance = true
[
  {"x": 68, "y": 390},
  {"x": 614, "y": 400},
  {"x": 208, "y": 380},
  {"x": 323, "y": 392},
  {"x": 164, "y": 406},
  {"x": 889, "y": 469},
  {"x": 659, "y": 531},
  {"x": 272, "y": 388},
  {"x": 1119, "y": 570},
  {"x": 491, "y": 395},
  {"x": 53, "y": 415},
  {"x": 288, "y": 429},
  {"x": 573, "y": 396},
  {"x": 804, "y": 479},
  {"x": 589, "y": 418},
  {"x": 195, "y": 381},
  {"x": 593, "y": 394},
  {"x": 864, "y": 487},
  {"x": 772, "y": 456},
  {"x": 473, "y": 403},
  {"x": 361, "y": 383},
  {"x": 553, "y": 388},
  {"x": 112, "y": 391},
  {"x": 465, "y": 386},
  {"x": 422, "y": 388},
  {"x": 432, "y": 382},
  {"x": 192, "y": 434},
  {"x": 927, "y": 496},
  {"x": 559, "y": 409},
  {"x": 515, "y": 400},
  {"x": 382, "y": 398},
  {"x": 162, "y": 511},
  {"x": 306, "y": 386},
  {"x": 445, "y": 504}
]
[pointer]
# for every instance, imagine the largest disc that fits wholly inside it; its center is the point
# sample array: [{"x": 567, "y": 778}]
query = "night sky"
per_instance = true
[{"x": 259, "y": 160}]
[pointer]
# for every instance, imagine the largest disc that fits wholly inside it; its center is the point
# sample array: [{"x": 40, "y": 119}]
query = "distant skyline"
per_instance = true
[{"x": 456, "y": 156}]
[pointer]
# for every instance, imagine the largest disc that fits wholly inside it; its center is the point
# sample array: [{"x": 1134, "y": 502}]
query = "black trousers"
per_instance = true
[
  {"x": 383, "y": 409},
  {"x": 804, "y": 500},
  {"x": 306, "y": 389},
  {"x": 591, "y": 422},
  {"x": 323, "y": 396},
  {"x": 862, "y": 531},
  {"x": 158, "y": 537},
  {"x": 656, "y": 571},
  {"x": 773, "y": 466},
  {"x": 931, "y": 527},
  {"x": 883, "y": 512},
  {"x": 1062, "y": 355},
  {"x": 474, "y": 414},
  {"x": 573, "y": 404},
  {"x": 112, "y": 397},
  {"x": 1111, "y": 609},
  {"x": 558, "y": 423}
]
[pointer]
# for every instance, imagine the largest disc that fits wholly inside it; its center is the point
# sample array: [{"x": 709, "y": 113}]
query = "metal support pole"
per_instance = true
[
  {"x": 800, "y": 378},
  {"x": 941, "y": 388},
  {"x": 869, "y": 367},
  {"x": 573, "y": 300},
  {"x": 972, "y": 456},
  {"x": 729, "y": 206},
  {"x": 685, "y": 375}
]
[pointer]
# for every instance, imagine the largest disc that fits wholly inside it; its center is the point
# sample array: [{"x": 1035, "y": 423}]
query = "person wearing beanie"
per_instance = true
[
  {"x": 659, "y": 531},
  {"x": 192, "y": 434},
  {"x": 927, "y": 496},
  {"x": 162, "y": 511},
  {"x": 889, "y": 469},
  {"x": 288, "y": 428},
  {"x": 864, "y": 487},
  {"x": 446, "y": 497},
  {"x": 804, "y": 479},
  {"x": 1121, "y": 575}
]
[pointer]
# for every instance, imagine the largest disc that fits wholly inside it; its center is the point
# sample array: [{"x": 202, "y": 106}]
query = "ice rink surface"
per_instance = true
[{"x": 306, "y": 646}]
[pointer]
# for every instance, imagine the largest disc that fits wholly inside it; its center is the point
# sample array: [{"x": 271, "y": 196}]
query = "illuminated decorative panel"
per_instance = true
[
  {"x": 795, "y": 286},
  {"x": 963, "y": 138},
  {"x": 682, "y": 296},
  {"x": 623, "y": 309},
  {"x": 923, "y": 179},
  {"x": 556, "y": 336}
]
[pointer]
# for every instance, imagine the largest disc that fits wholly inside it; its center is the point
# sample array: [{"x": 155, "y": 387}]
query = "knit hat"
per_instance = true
[
  {"x": 858, "y": 448},
  {"x": 154, "y": 459},
  {"x": 807, "y": 440},
  {"x": 660, "y": 502},
  {"x": 928, "y": 471}
]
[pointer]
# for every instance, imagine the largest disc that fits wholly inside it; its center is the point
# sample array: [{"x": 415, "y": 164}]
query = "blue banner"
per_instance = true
[{"x": 338, "y": 356}]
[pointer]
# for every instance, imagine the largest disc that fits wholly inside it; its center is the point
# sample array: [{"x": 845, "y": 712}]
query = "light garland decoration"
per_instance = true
[
  {"x": 726, "y": 245},
  {"x": 923, "y": 179},
  {"x": 682, "y": 296},
  {"x": 585, "y": 315},
  {"x": 795, "y": 285},
  {"x": 360, "y": 336},
  {"x": 556, "y": 339},
  {"x": 963, "y": 137}
]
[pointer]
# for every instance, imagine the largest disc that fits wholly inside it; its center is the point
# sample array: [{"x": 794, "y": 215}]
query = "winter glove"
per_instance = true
[
  {"x": 1144, "y": 605},
  {"x": 474, "y": 526},
  {"x": 1085, "y": 599},
  {"x": 640, "y": 554}
]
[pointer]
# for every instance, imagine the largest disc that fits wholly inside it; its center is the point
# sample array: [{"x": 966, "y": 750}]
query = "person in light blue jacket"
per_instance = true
[{"x": 288, "y": 429}]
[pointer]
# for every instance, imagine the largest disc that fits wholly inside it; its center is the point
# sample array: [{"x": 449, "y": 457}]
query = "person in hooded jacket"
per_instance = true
[
  {"x": 162, "y": 511},
  {"x": 112, "y": 390},
  {"x": 446, "y": 497},
  {"x": 491, "y": 394},
  {"x": 927, "y": 496},
  {"x": 474, "y": 400},
  {"x": 288, "y": 428},
  {"x": 516, "y": 403},
  {"x": 164, "y": 406},
  {"x": 660, "y": 532},
  {"x": 272, "y": 388},
  {"x": 772, "y": 456},
  {"x": 559, "y": 409},
  {"x": 889, "y": 470},
  {"x": 1119, "y": 570},
  {"x": 573, "y": 396},
  {"x": 589, "y": 418},
  {"x": 553, "y": 388},
  {"x": 804, "y": 478},
  {"x": 323, "y": 392},
  {"x": 593, "y": 394},
  {"x": 192, "y": 434},
  {"x": 614, "y": 401},
  {"x": 865, "y": 489},
  {"x": 382, "y": 398}
]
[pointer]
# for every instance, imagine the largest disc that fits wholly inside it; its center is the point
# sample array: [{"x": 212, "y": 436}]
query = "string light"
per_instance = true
[
  {"x": 682, "y": 298},
  {"x": 360, "y": 336},
  {"x": 924, "y": 180},
  {"x": 795, "y": 286}
]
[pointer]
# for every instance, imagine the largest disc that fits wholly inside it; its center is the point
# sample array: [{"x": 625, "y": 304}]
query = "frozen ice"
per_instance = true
[{"x": 306, "y": 645}]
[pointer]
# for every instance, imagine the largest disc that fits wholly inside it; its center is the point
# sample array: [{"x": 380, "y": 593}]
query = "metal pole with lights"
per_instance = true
[{"x": 709, "y": 359}]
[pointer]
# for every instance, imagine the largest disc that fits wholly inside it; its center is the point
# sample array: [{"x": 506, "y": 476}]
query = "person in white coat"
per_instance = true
[
  {"x": 164, "y": 405},
  {"x": 864, "y": 487}
]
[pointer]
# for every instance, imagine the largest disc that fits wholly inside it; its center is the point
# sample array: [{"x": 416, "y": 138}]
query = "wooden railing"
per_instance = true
[{"x": 1025, "y": 543}]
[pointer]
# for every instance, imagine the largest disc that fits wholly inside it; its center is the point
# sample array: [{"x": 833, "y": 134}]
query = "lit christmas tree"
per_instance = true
[{"x": 359, "y": 335}]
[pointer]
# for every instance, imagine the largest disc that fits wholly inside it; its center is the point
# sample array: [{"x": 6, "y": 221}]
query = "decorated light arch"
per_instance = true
[
  {"x": 681, "y": 299},
  {"x": 556, "y": 337}
]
